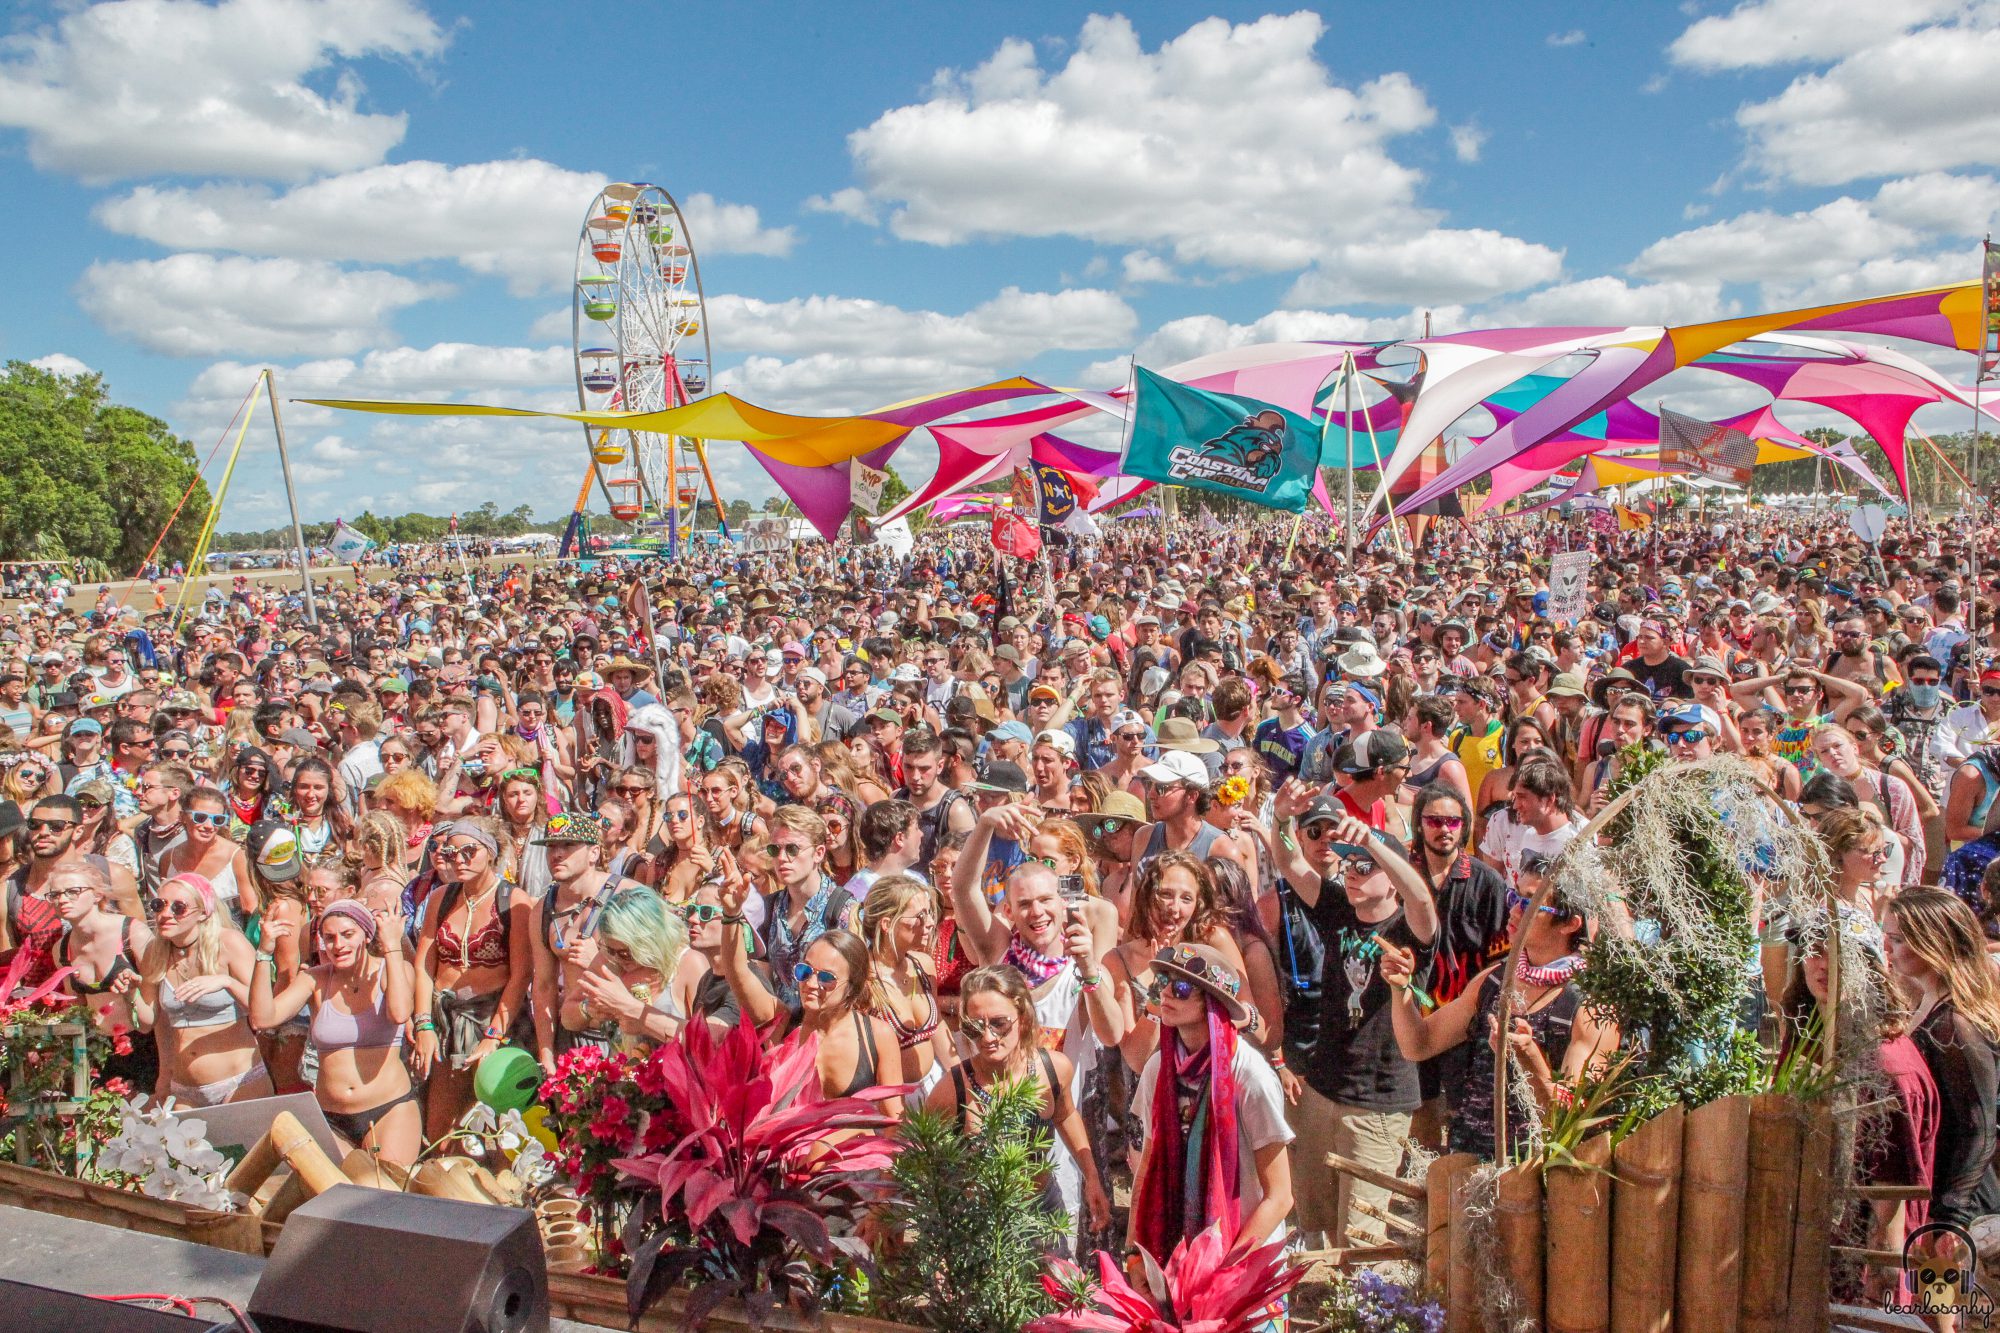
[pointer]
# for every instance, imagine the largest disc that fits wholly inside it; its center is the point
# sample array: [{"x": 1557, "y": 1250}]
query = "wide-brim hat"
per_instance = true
[
  {"x": 1209, "y": 970},
  {"x": 1180, "y": 733},
  {"x": 1362, "y": 660},
  {"x": 624, "y": 663}
]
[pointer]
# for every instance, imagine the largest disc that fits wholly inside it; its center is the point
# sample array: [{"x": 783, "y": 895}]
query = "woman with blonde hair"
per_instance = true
[
  {"x": 899, "y": 920},
  {"x": 1938, "y": 955},
  {"x": 838, "y": 769},
  {"x": 384, "y": 869},
  {"x": 411, "y": 796},
  {"x": 25, "y": 777},
  {"x": 194, "y": 979}
]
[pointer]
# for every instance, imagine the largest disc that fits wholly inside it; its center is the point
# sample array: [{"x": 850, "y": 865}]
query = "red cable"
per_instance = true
[{"x": 187, "y": 494}]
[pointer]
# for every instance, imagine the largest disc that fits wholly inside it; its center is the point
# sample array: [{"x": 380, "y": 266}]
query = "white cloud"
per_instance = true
[
  {"x": 1944, "y": 204},
  {"x": 155, "y": 87},
  {"x": 848, "y": 203},
  {"x": 1140, "y": 266},
  {"x": 1574, "y": 37},
  {"x": 840, "y": 354},
  {"x": 200, "y": 305},
  {"x": 1467, "y": 140},
  {"x": 1200, "y": 335},
  {"x": 515, "y": 219},
  {"x": 1788, "y": 32},
  {"x": 1763, "y": 246},
  {"x": 1229, "y": 145},
  {"x": 1466, "y": 265},
  {"x": 1898, "y": 99},
  {"x": 1613, "y": 301},
  {"x": 61, "y": 363}
]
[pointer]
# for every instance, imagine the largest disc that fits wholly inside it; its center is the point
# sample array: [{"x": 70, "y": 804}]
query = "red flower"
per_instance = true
[{"x": 118, "y": 1087}]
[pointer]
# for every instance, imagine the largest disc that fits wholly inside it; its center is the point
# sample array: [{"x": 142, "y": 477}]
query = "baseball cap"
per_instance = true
[
  {"x": 572, "y": 826},
  {"x": 1177, "y": 766},
  {"x": 1011, "y": 731},
  {"x": 814, "y": 674},
  {"x": 274, "y": 850},
  {"x": 1004, "y": 778},
  {"x": 1124, "y": 718},
  {"x": 1370, "y": 752},
  {"x": 1691, "y": 715},
  {"x": 85, "y": 726},
  {"x": 1566, "y": 683},
  {"x": 1061, "y": 742},
  {"x": 1048, "y": 692},
  {"x": 1322, "y": 809}
]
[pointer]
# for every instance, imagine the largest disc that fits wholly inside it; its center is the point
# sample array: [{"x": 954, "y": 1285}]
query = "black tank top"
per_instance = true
[{"x": 1469, "y": 1126}]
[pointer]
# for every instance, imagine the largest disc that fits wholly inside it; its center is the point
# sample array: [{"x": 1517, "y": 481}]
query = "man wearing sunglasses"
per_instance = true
[
  {"x": 33, "y": 923},
  {"x": 1358, "y": 1092},
  {"x": 564, "y": 943},
  {"x": 1971, "y": 726},
  {"x": 161, "y": 786}
]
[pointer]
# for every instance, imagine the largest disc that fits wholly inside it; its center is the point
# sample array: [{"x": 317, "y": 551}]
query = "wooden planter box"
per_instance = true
[
  {"x": 601, "y": 1300},
  {"x": 1711, "y": 1221},
  {"x": 47, "y": 1192}
]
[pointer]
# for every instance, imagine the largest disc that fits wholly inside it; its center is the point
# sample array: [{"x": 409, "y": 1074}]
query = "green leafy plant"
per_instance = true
[
  {"x": 1680, "y": 989},
  {"x": 764, "y": 1183},
  {"x": 970, "y": 1210}
]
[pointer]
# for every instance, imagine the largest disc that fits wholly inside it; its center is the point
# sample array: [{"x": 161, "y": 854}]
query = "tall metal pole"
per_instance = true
[
  {"x": 1986, "y": 341},
  {"x": 1347, "y": 394},
  {"x": 292, "y": 499}
]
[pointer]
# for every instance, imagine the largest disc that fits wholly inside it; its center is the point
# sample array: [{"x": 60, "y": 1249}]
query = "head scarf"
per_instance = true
[
  {"x": 354, "y": 911},
  {"x": 1191, "y": 1177}
]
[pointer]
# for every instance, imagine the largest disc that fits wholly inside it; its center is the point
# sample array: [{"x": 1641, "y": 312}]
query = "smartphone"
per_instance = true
[{"x": 1072, "y": 890}]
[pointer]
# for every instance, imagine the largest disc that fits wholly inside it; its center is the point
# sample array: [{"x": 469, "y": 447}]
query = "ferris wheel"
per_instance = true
[{"x": 640, "y": 332}]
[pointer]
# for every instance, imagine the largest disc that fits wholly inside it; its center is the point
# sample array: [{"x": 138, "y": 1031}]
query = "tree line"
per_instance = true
[{"x": 82, "y": 477}]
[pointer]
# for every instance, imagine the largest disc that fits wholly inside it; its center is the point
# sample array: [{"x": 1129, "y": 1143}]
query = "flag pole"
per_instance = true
[
  {"x": 1347, "y": 393},
  {"x": 292, "y": 499}
]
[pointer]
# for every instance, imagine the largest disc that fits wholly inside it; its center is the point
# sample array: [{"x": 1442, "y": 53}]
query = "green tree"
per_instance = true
[
  {"x": 83, "y": 476},
  {"x": 739, "y": 513}
]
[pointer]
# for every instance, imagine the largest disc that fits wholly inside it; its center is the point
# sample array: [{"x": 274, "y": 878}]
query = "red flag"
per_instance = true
[{"x": 1015, "y": 536}]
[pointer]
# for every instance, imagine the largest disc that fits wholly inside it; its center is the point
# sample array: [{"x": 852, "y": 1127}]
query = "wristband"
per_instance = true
[
  {"x": 266, "y": 958},
  {"x": 1277, "y": 1059},
  {"x": 491, "y": 1034},
  {"x": 1089, "y": 983},
  {"x": 738, "y": 920},
  {"x": 426, "y": 1025}
]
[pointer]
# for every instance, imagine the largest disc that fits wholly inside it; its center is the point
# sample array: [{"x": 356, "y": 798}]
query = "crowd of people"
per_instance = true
[{"x": 1218, "y": 841}]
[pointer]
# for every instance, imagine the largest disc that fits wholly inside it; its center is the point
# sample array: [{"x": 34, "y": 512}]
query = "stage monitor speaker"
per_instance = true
[
  {"x": 27, "y": 1308},
  {"x": 358, "y": 1260}
]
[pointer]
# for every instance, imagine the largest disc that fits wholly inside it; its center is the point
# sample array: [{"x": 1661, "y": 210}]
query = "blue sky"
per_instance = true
[{"x": 380, "y": 197}]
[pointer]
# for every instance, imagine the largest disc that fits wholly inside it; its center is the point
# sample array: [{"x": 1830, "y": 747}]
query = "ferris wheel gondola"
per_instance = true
[{"x": 641, "y": 343}]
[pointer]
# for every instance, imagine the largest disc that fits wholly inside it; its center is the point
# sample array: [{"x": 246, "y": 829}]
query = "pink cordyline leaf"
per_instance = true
[
  {"x": 703, "y": 1194},
  {"x": 741, "y": 1214}
]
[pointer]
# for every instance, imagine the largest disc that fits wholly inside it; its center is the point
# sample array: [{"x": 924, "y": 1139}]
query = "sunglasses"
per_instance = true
[
  {"x": 50, "y": 825},
  {"x": 176, "y": 754},
  {"x": 160, "y": 907},
  {"x": 981, "y": 1028},
  {"x": 631, "y": 791},
  {"x": 1685, "y": 736},
  {"x": 1878, "y": 854},
  {"x": 801, "y": 972},
  {"x": 774, "y": 850},
  {"x": 1444, "y": 822},
  {"x": 1180, "y": 988},
  {"x": 1518, "y": 902},
  {"x": 217, "y": 817},
  {"x": 1990, "y": 691},
  {"x": 462, "y": 852},
  {"x": 700, "y": 914}
]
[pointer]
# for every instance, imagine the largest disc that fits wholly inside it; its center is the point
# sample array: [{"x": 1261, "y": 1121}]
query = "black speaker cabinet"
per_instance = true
[
  {"x": 26, "y": 1308},
  {"x": 358, "y": 1260}
]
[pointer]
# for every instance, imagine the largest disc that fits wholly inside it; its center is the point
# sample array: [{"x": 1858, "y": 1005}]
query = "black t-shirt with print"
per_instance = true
[
  {"x": 1355, "y": 1060},
  {"x": 1472, "y": 933}
]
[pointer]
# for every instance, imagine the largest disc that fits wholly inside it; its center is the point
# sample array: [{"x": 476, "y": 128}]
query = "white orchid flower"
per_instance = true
[{"x": 478, "y": 1120}]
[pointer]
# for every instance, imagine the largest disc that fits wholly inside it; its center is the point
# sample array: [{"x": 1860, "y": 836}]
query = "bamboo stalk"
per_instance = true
[
  {"x": 1518, "y": 1216},
  {"x": 303, "y": 1154},
  {"x": 1645, "y": 1224},
  {"x": 1899, "y": 1193},
  {"x": 1400, "y": 1225},
  {"x": 1356, "y": 1254},
  {"x": 1409, "y": 1189},
  {"x": 1439, "y": 1220},
  {"x": 1576, "y": 1289},
  {"x": 1769, "y": 1206},
  {"x": 1462, "y": 1312},
  {"x": 1812, "y": 1227},
  {"x": 1715, "y": 1147}
]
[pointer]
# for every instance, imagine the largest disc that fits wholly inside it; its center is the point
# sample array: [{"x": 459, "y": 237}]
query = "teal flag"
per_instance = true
[{"x": 1220, "y": 442}]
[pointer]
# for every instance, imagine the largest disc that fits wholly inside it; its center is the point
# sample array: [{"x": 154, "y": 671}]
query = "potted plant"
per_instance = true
[
  {"x": 737, "y": 1177},
  {"x": 975, "y": 1231}
]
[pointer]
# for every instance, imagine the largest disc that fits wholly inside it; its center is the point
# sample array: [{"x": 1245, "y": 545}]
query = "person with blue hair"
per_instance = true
[{"x": 632, "y": 995}]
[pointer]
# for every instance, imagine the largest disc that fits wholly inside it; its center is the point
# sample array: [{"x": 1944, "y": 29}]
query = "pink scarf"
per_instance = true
[{"x": 1174, "y": 1199}]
